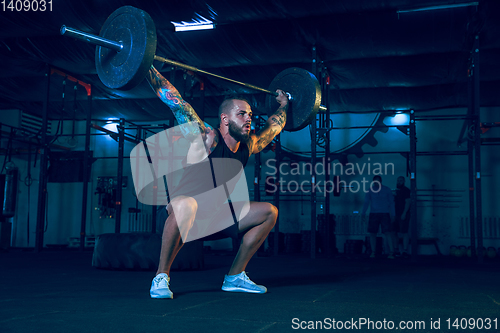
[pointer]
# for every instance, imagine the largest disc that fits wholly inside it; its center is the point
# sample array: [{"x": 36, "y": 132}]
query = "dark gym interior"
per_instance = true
[{"x": 396, "y": 88}]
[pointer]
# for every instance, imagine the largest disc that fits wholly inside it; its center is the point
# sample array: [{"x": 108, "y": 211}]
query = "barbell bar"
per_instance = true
[
  {"x": 91, "y": 38},
  {"x": 126, "y": 49},
  {"x": 194, "y": 69},
  {"x": 118, "y": 46}
]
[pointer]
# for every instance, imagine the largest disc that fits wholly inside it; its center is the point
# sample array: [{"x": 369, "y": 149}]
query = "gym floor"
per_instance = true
[{"x": 59, "y": 291}]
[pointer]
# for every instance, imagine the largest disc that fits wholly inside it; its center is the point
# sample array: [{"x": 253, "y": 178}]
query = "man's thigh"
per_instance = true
[
  {"x": 221, "y": 221},
  {"x": 227, "y": 220},
  {"x": 257, "y": 213},
  {"x": 386, "y": 223},
  {"x": 246, "y": 214},
  {"x": 373, "y": 223}
]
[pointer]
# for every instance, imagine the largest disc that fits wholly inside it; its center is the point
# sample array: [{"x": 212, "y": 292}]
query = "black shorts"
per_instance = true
[
  {"x": 402, "y": 225},
  {"x": 379, "y": 219},
  {"x": 229, "y": 232}
]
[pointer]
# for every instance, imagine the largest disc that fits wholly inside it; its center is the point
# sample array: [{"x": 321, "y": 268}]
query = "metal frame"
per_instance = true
[{"x": 473, "y": 153}]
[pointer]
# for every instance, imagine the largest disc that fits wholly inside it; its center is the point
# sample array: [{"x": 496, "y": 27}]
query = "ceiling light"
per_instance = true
[
  {"x": 199, "y": 23},
  {"x": 192, "y": 27}
]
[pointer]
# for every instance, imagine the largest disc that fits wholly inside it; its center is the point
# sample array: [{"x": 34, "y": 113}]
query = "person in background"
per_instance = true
[
  {"x": 402, "y": 203},
  {"x": 381, "y": 202}
]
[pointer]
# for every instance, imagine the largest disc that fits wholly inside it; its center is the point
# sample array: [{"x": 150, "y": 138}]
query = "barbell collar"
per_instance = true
[{"x": 90, "y": 38}]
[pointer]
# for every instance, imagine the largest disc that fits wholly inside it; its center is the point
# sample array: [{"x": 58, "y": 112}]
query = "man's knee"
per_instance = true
[
  {"x": 272, "y": 215},
  {"x": 272, "y": 212},
  {"x": 184, "y": 206}
]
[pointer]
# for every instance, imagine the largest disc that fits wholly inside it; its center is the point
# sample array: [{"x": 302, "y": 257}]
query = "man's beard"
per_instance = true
[
  {"x": 236, "y": 132},
  {"x": 400, "y": 185}
]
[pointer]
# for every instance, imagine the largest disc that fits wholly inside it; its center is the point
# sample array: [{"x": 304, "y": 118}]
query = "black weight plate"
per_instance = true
[
  {"x": 306, "y": 97},
  {"x": 127, "y": 68}
]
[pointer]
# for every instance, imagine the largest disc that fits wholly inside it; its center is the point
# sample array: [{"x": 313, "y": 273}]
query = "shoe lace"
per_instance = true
[
  {"x": 247, "y": 279},
  {"x": 159, "y": 278}
]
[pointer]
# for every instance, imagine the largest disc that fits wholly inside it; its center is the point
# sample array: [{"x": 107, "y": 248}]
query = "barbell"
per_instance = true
[{"x": 126, "y": 47}]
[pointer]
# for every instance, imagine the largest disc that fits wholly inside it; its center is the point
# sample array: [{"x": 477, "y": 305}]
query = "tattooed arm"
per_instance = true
[
  {"x": 183, "y": 111},
  {"x": 191, "y": 124},
  {"x": 273, "y": 126}
]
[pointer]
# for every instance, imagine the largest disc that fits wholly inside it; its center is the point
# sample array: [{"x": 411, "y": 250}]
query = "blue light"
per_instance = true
[
  {"x": 400, "y": 118},
  {"x": 111, "y": 126}
]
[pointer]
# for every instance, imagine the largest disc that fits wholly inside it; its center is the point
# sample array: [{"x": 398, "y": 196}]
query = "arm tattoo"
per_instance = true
[
  {"x": 279, "y": 117},
  {"x": 273, "y": 127},
  {"x": 169, "y": 95},
  {"x": 266, "y": 138}
]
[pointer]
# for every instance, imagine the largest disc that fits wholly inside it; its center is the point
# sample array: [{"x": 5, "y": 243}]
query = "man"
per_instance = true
[
  {"x": 402, "y": 221},
  {"x": 231, "y": 140},
  {"x": 381, "y": 201}
]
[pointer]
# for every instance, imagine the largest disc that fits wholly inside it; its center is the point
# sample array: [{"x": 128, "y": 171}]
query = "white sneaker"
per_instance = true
[
  {"x": 241, "y": 283},
  {"x": 159, "y": 287}
]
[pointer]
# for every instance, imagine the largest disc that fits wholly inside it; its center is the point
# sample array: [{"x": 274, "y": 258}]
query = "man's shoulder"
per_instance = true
[
  {"x": 386, "y": 188},
  {"x": 383, "y": 190}
]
